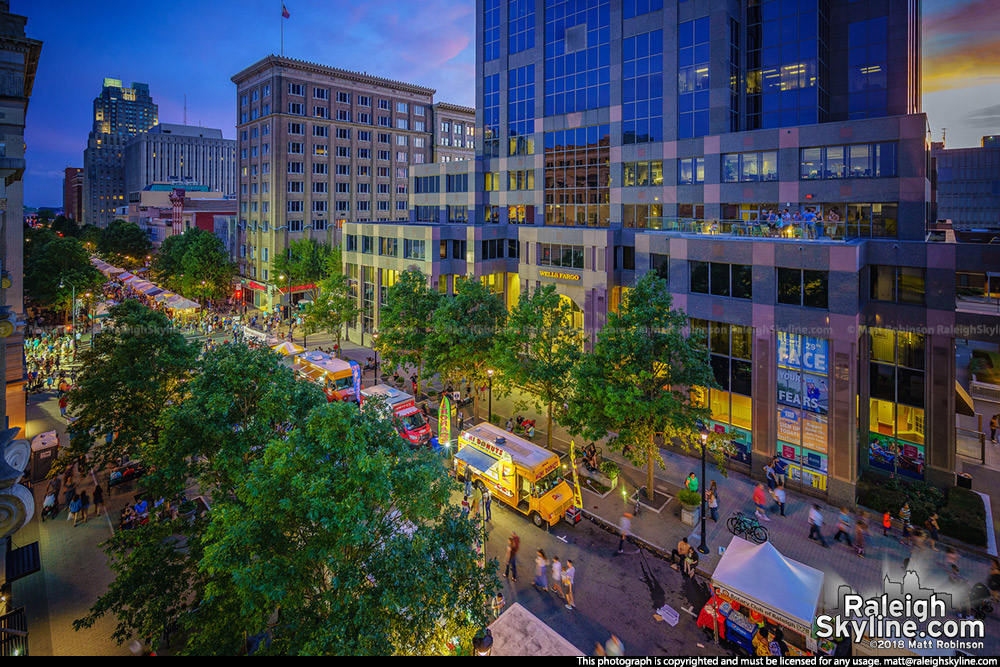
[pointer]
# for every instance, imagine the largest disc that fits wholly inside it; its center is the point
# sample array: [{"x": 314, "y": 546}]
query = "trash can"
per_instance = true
[
  {"x": 44, "y": 451},
  {"x": 965, "y": 481}
]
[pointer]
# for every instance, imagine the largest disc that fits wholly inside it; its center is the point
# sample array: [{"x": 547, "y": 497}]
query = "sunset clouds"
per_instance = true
[{"x": 961, "y": 44}]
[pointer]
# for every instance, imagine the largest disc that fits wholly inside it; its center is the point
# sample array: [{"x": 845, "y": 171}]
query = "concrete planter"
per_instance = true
[{"x": 690, "y": 515}]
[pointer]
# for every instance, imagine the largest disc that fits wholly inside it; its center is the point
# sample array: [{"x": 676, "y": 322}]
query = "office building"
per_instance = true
[
  {"x": 119, "y": 114},
  {"x": 968, "y": 184},
  {"x": 319, "y": 146},
  {"x": 181, "y": 154},
  {"x": 454, "y": 132},
  {"x": 73, "y": 193},
  {"x": 620, "y": 137}
]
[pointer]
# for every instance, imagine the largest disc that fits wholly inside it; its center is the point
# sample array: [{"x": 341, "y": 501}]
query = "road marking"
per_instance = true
[
  {"x": 689, "y": 610},
  {"x": 560, "y": 537}
]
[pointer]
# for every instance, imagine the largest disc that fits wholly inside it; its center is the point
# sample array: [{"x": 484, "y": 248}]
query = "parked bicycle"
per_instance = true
[{"x": 749, "y": 527}]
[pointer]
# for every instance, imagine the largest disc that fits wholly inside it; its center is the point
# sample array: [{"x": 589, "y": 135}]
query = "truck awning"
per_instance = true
[{"x": 477, "y": 460}]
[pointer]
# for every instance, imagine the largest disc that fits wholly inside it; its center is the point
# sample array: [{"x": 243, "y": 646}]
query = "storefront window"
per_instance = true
[
  {"x": 730, "y": 403},
  {"x": 803, "y": 407},
  {"x": 896, "y": 403}
]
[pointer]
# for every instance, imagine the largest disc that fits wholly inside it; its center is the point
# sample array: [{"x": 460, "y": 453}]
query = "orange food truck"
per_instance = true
[
  {"x": 519, "y": 473},
  {"x": 410, "y": 421},
  {"x": 332, "y": 374}
]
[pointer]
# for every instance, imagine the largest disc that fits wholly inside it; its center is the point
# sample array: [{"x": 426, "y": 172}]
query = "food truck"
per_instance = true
[
  {"x": 517, "y": 472},
  {"x": 332, "y": 374},
  {"x": 410, "y": 421}
]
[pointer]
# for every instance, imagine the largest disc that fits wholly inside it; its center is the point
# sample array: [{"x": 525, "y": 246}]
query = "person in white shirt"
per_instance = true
[
  {"x": 557, "y": 570},
  {"x": 625, "y": 525},
  {"x": 816, "y": 525},
  {"x": 567, "y": 577}
]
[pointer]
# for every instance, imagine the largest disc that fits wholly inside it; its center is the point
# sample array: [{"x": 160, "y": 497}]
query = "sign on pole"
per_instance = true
[
  {"x": 577, "y": 496},
  {"x": 444, "y": 421},
  {"x": 356, "y": 376}
]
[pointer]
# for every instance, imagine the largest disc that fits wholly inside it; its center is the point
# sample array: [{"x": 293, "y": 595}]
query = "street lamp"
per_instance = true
[
  {"x": 482, "y": 643},
  {"x": 703, "y": 547},
  {"x": 489, "y": 414},
  {"x": 375, "y": 350},
  {"x": 281, "y": 296}
]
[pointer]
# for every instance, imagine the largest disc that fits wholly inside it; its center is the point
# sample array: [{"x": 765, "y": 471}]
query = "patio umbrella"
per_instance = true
[{"x": 286, "y": 349}]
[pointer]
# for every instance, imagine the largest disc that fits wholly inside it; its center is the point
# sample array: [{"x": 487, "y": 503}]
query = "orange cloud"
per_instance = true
[
  {"x": 971, "y": 64},
  {"x": 961, "y": 46}
]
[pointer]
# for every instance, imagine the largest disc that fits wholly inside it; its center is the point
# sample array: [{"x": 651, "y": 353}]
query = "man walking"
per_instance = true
[
  {"x": 816, "y": 525},
  {"x": 994, "y": 422},
  {"x": 487, "y": 502},
  {"x": 779, "y": 498},
  {"x": 569, "y": 573},
  {"x": 468, "y": 480},
  {"x": 513, "y": 544},
  {"x": 626, "y": 527}
]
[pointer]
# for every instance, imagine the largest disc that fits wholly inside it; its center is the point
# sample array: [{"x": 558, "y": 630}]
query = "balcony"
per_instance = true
[{"x": 793, "y": 230}]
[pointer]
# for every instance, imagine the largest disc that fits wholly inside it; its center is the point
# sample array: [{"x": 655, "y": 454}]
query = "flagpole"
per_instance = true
[{"x": 282, "y": 19}]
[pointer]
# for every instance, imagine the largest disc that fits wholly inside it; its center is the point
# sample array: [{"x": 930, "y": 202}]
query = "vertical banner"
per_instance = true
[
  {"x": 444, "y": 421},
  {"x": 577, "y": 496},
  {"x": 356, "y": 375}
]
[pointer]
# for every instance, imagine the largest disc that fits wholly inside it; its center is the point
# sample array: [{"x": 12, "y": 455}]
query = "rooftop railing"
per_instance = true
[{"x": 819, "y": 230}]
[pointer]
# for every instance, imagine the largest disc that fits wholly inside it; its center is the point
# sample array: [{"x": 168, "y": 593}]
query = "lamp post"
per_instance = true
[
  {"x": 281, "y": 295},
  {"x": 703, "y": 547},
  {"x": 375, "y": 350},
  {"x": 489, "y": 414},
  {"x": 72, "y": 306},
  {"x": 482, "y": 643}
]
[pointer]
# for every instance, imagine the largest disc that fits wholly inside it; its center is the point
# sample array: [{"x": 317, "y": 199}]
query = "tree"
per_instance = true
[
  {"x": 89, "y": 235},
  {"x": 335, "y": 306},
  {"x": 538, "y": 349},
  {"x": 168, "y": 263},
  {"x": 463, "y": 329},
  {"x": 133, "y": 369},
  {"x": 123, "y": 244},
  {"x": 207, "y": 269},
  {"x": 63, "y": 226},
  {"x": 306, "y": 263},
  {"x": 335, "y": 261},
  {"x": 354, "y": 542},
  {"x": 637, "y": 382},
  {"x": 53, "y": 267},
  {"x": 405, "y": 322}
]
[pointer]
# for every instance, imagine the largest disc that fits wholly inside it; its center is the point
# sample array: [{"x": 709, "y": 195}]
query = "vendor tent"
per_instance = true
[
  {"x": 164, "y": 297},
  {"x": 758, "y": 576},
  {"x": 286, "y": 349},
  {"x": 518, "y": 632},
  {"x": 125, "y": 276},
  {"x": 182, "y": 304}
]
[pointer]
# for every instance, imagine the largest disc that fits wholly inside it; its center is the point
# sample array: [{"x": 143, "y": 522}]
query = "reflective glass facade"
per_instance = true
[
  {"x": 492, "y": 15},
  {"x": 520, "y": 25},
  {"x": 867, "y": 60},
  {"x": 577, "y": 177},
  {"x": 577, "y": 55},
  {"x": 521, "y": 110},
  {"x": 491, "y": 115},
  {"x": 692, "y": 73},
  {"x": 642, "y": 88}
]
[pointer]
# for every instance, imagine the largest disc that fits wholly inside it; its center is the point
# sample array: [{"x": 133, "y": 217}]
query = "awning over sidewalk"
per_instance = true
[
  {"x": 760, "y": 577},
  {"x": 476, "y": 459},
  {"x": 963, "y": 402}
]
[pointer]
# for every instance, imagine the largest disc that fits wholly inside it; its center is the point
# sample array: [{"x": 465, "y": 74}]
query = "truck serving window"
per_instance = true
[
  {"x": 343, "y": 383},
  {"x": 547, "y": 483}
]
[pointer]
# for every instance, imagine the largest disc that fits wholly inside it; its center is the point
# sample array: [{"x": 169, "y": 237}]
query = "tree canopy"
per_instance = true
[
  {"x": 463, "y": 329},
  {"x": 537, "y": 351},
  {"x": 53, "y": 267},
  {"x": 335, "y": 306},
  {"x": 63, "y": 226},
  {"x": 131, "y": 370},
  {"x": 306, "y": 263},
  {"x": 405, "y": 322},
  {"x": 123, "y": 244},
  {"x": 636, "y": 383},
  {"x": 195, "y": 264}
]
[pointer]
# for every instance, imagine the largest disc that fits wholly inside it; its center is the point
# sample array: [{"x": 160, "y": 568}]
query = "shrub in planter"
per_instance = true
[
  {"x": 610, "y": 469},
  {"x": 964, "y": 517},
  {"x": 689, "y": 498}
]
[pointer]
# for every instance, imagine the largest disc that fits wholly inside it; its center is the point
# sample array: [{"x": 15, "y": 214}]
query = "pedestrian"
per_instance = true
[
  {"x": 513, "y": 542},
  {"x": 860, "y": 530},
  {"x": 932, "y": 529},
  {"x": 769, "y": 476},
  {"x": 49, "y": 504},
  {"x": 569, "y": 573},
  {"x": 816, "y": 525},
  {"x": 691, "y": 483},
  {"x": 886, "y": 523},
  {"x": 63, "y": 401},
  {"x": 904, "y": 517},
  {"x": 843, "y": 527},
  {"x": 779, "y": 498},
  {"x": 951, "y": 558},
  {"x": 994, "y": 422},
  {"x": 468, "y": 481},
  {"x": 498, "y": 604},
  {"x": 465, "y": 506},
  {"x": 98, "y": 499},
  {"x": 780, "y": 469},
  {"x": 74, "y": 508},
  {"x": 531, "y": 431},
  {"x": 541, "y": 582},
  {"x": 487, "y": 502},
  {"x": 713, "y": 504},
  {"x": 758, "y": 499},
  {"x": 691, "y": 562},
  {"x": 678, "y": 555},
  {"x": 556, "y": 586},
  {"x": 509, "y": 426},
  {"x": 84, "y": 505},
  {"x": 625, "y": 526}
]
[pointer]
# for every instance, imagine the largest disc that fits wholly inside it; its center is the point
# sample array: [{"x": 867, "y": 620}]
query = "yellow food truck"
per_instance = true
[{"x": 519, "y": 473}]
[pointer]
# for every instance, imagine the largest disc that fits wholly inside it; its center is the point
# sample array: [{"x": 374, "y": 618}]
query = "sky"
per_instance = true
[{"x": 193, "y": 47}]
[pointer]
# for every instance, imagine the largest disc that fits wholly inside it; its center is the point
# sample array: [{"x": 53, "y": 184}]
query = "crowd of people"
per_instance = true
[{"x": 49, "y": 355}]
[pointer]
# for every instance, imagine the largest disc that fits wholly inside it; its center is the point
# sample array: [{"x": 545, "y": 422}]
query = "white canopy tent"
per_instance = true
[{"x": 759, "y": 577}]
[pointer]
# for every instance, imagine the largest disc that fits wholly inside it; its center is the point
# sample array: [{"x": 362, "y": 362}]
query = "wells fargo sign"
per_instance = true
[{"x": 558, "y": 275}]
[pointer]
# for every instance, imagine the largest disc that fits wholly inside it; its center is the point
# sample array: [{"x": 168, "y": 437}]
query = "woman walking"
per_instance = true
[
  {"x": 557, "y": 578},
  {"x": 98, "y": 500},
  {"x": 860, "y": 528},
  {"x": 84, "y": 505},
  {"x": 843, "y": 526},
  {"x": 74, "y": 509},
  {"x": 541, "y": 582},
  {"x": 932, "y": 529}
]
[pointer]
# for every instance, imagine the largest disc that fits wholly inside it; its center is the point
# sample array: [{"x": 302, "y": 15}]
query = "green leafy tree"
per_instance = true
[
  {"x": 334, "y": 307},
  {"x": 123, "y": 244},
  {"x": 306, "y": 263},
  {"x": 335, "y": 261},
  {"x": 63, "y": 226},
  {"x": 537, "y": 351},
  {"x": 636, "y": 383},
  {"x": 463, "y": 330},
  {"x": 54, "y": 267},
  {"x": 354, "y": 542},
  {"x": 89, "y": 236},
  {"x": 207, "y": 269},
  {"x": 168, "y": 263},
  {"x": 405, "y": 322},
  {"x": 133, "y": 369}
]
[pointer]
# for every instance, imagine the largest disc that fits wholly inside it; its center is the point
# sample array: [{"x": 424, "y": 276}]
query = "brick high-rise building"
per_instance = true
[
  {"x": 73, "y": 193},
  {"x": 181, "y": 154},
  {"x": 119, "y": 114}
]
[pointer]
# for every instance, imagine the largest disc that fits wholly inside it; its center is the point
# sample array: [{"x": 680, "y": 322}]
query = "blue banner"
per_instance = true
[{"x": 356, "y": 375}]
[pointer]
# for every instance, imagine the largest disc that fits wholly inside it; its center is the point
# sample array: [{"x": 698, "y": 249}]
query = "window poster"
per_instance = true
[
  {"x": 789, "y": 387},
  {"x": 815, "y": 393},
  {"x": 789, "y": 425},
  {"x": 815, "y": 432},
  {"x": 814, "y": 460},
  {"x": 788, "y": 452},
  {"x": 882, "y": 452},
  {"x": 910, "y": 459},
  {"x": 813, "y": 478}
]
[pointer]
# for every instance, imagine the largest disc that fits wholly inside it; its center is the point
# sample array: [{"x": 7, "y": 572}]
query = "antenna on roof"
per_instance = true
[
  {"x": 944, "y": 131},
  {"x": 185, "y": 109}
]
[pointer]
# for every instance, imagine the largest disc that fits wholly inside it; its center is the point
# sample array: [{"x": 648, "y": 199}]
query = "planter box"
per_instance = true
[{"x": 690, "y": 516}]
